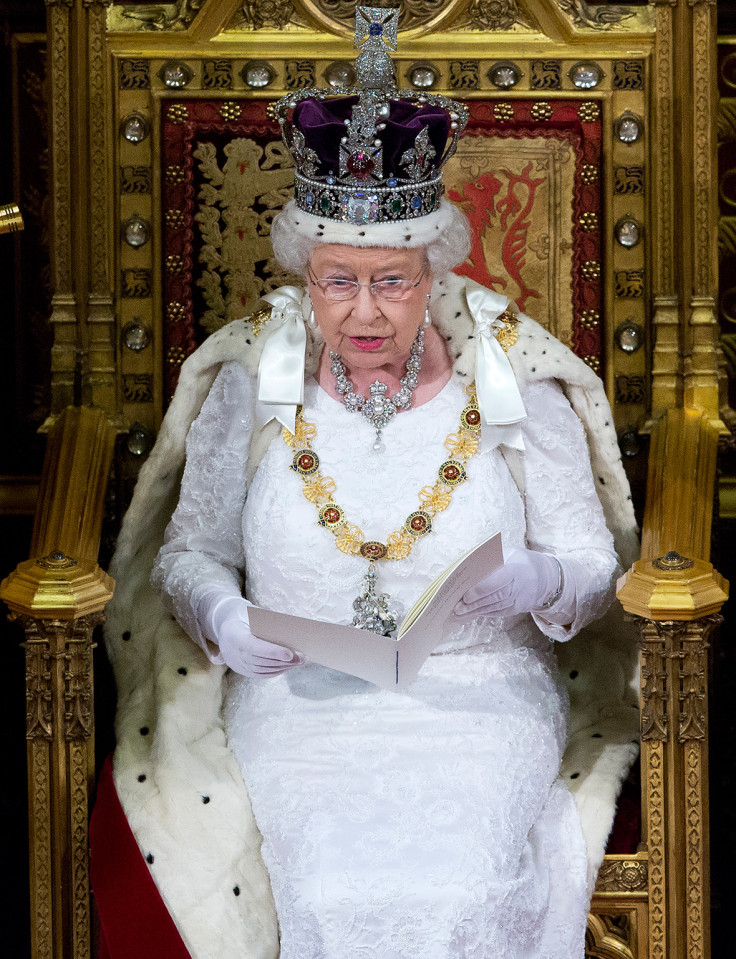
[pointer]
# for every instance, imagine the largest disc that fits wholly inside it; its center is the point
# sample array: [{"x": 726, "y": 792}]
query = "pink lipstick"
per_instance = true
[{"x": 367, "y": 343}]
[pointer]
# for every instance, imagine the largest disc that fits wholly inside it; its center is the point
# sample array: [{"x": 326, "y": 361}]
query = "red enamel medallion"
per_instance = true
[
  {"x": 373, "y": 550},
  {"x": 452, "y": 473},
  {"x": 471, "y": 418},
  {"x": 305, "y": 462},
  {"x": 330, "y": 515},
  {"x": 419, "y": 523}
]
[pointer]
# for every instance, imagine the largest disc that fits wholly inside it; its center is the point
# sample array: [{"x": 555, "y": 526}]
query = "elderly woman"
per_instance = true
[{"x": 428, "y": 823}]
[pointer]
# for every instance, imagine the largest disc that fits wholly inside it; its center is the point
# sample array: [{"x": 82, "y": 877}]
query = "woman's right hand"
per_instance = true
[{"x": 243, "y": 652}]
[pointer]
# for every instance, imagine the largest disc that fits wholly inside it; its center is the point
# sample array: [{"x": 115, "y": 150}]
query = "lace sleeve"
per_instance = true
[
  {"x": 563, "y": 512},
  {"x": 202, "y": 553}
]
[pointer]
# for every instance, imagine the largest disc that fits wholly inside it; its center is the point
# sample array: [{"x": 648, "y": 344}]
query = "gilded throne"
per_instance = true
[{"x": 569, "y": 175}]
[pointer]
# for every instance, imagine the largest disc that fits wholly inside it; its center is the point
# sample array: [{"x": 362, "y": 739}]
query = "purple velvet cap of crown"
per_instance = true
[{"x": 323, "y": 124}]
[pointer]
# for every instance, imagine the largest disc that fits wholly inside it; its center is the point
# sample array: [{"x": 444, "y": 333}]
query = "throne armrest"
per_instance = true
[
  {"x": 59, "y": 596},
  {"x": 661, "y": 893}
]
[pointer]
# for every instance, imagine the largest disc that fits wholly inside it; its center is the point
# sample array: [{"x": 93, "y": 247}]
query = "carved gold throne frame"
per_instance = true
[{"x": 601, "y": 220}]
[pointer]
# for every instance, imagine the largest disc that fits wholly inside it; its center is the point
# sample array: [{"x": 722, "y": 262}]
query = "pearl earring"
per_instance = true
[
  {"x": 427, "y": 317},
  {"x": 312, "y": 321}
]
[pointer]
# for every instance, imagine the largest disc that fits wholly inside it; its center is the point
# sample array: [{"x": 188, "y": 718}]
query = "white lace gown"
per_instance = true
[{"x": 428, "y": 824}]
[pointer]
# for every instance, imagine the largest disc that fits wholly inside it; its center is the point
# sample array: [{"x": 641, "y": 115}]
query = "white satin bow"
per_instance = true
[
  {"x": 281, "y": 369},
  {"x": 499, "y": 399}
]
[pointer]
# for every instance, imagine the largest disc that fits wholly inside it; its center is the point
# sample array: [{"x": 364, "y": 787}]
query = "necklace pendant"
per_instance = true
[
  {"x": 372, "y": 612},
  {"x": 379, "y": 446}
]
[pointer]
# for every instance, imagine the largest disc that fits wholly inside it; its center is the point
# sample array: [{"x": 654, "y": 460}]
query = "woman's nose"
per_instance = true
[{"x": 365, "y": 305}]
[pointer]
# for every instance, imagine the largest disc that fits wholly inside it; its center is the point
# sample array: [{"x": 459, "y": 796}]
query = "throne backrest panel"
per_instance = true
[
  {"x": 530, "y": 188},
  {"x": 551, "y": 173}
]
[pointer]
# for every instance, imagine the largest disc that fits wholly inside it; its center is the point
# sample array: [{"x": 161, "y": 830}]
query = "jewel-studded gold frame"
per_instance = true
[{"x": 104, "y": 62}]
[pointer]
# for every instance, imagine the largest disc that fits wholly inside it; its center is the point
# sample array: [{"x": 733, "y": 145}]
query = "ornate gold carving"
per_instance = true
[
  {"x": 39, "y": 718},
  {"x": 598, "y": 17},
  {"x": 58, "y": 30},
  {"x": 78, "y": 718},
  {"x": 591, "y": 270},
  {"x": 594, "y": 362},
  {"x": 41, "y": 875},
  {"x": 79, "y": 813},
  {"x": 663, "y": 171},
  {"x": 159, "y": 17},
  {"x": 654, "y": 719},
  {"x": 494, "y": 15},
  {"x": 273, "y": 14},
  {"x": 338, "y": 16},
  {"x": 702, "y": 144},
  {"x": 99, "y": 193},
  {"x": 655, "y": 803},
  {"x": 695, "y": 845},
  {"x": 609, "y": 936},
  {"x": 622, "y": 875}
]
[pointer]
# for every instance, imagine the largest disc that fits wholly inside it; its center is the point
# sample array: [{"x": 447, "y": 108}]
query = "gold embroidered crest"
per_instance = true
[
  {"x": 258, "y": 320},
  {"x": 507, "y": 335}
]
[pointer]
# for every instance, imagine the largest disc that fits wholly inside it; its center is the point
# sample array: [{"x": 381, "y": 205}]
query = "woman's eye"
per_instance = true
[
  {"x": 390, "y": 281},
  {"x": 339, "y": 282}
]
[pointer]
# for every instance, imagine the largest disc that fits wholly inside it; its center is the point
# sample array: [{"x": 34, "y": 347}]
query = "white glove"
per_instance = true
[
  {"x": 243, "y": 652},
  {"x": 528, "y": 581}
]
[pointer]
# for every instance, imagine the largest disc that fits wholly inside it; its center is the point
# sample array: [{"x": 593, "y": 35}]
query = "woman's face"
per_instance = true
[{"x": 368, "y": 331}]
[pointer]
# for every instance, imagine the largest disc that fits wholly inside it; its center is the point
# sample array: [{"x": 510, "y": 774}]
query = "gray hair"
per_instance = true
[{"x": 293, "y": 246}]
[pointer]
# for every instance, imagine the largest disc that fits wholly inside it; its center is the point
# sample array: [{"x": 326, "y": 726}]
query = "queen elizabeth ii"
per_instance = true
[{"x": 427, "y": 823}]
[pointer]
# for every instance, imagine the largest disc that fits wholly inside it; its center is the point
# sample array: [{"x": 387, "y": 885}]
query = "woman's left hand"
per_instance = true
[{"x": 526, "y": 581}]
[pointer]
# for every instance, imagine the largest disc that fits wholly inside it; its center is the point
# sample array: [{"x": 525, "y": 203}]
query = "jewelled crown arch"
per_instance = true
[{"x": 370, "y": 152}]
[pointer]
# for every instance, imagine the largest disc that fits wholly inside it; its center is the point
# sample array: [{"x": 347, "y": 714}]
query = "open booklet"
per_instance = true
[{"x": 389, "y": 662}]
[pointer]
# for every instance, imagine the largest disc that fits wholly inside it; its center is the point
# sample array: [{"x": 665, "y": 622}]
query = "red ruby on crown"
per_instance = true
[{"x": 360, "y": 165}]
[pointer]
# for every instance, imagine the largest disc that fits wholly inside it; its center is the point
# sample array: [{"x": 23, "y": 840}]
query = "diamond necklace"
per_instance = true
[{"x": 378, "y": 409}]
